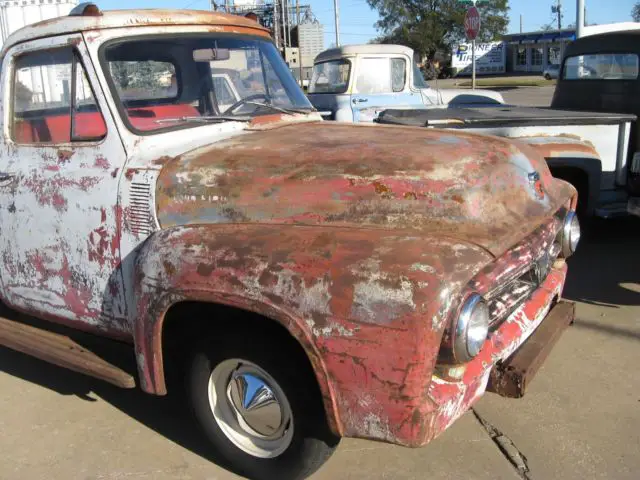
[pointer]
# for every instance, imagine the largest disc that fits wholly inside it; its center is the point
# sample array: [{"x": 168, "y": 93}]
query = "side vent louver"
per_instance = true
[{"x": 140, "y": 221}]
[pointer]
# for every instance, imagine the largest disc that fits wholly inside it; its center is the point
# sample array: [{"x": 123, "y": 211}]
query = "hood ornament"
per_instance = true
[{"x": 535, "y": 181}]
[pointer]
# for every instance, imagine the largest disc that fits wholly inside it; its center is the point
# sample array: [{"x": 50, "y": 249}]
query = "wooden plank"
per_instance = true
[
  {"x": 62, "y": 351},
  {"x": 511, "y": 377}
]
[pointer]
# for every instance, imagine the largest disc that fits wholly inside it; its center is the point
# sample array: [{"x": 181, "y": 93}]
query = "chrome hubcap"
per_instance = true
[
  {"x": 250, "y": 408},
  {"x": 256, "y": 403}
]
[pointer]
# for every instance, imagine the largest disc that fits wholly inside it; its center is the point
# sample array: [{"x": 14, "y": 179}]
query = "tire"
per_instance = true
[
  {"x": 547, "y": 77},
  {"x": 302, "y": 441}
]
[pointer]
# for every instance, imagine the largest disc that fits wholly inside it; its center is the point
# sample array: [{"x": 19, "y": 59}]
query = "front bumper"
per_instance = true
[
  {"x": 511, "y": 377},
  {"x": 454, "y": 398},
  {"x": 633, "y": 207}
]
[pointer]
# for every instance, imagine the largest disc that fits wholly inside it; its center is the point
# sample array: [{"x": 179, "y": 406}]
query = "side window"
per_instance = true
[
  {"x": 398, "y": 74},
  {"x": 374, "y": 76},
  {"x": 53, "y": 101}
]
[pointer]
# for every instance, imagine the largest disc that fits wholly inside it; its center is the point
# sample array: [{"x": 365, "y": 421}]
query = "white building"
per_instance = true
[
  {"x": 535, "y": 51},
  {"x": 15, "y": 14},
  {"x": 310, "y": 41}
]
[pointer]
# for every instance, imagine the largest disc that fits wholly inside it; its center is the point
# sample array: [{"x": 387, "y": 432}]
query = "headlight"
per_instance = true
[
  {"x": 472, "y": 329},
  {"x": 570, "y": 235}
]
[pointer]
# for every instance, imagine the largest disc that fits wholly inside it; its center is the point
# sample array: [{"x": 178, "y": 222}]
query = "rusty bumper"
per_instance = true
[{"x": 511, "y": 377}]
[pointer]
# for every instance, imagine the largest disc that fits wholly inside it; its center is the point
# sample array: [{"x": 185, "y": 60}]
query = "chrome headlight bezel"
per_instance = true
[
  {"x": 570, "y": 235},
  {"x": 471, "y": 329}
]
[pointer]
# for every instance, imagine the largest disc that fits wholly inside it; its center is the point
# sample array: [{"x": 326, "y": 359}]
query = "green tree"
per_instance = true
[
  {"x": 428, "y": 26},
  {"x": 635, "y": 13}
]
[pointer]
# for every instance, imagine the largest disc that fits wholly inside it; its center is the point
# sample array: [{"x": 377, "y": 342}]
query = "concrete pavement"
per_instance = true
[{"x": 580, "y": 420}]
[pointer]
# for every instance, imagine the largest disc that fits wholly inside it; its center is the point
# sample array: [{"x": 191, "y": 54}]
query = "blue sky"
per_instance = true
[{"x": 357, "y": 19}]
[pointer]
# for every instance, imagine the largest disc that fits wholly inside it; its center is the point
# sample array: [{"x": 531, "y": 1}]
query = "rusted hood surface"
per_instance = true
[{"x": 477, "y": 189}]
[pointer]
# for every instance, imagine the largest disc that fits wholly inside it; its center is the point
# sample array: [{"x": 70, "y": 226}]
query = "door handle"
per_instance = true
[{"x": 360, "y": 100}]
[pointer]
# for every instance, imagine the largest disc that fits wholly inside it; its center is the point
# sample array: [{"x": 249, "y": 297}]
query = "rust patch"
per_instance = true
[
  {"x": 475, "y": 188},
  {"x": 162, "y": 160},
  {"x": 64, "y": 156},
  {"x": 130, "y": 172},
  {"x": 169, "y": 269},
  {"x": 204, "y": 270}
]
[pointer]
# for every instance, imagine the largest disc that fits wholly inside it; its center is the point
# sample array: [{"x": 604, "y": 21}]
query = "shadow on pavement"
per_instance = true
[
  {"x": 168, "y": 416},
  {"x": 606, "y": 269}
]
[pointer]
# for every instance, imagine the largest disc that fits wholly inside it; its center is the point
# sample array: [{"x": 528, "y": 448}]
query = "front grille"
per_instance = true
[{"x": 511, "y": 294}]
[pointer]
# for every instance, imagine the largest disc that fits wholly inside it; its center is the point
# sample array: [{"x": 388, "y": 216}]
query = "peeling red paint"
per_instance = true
[
  {"x": 51, "y": 191},
  {"x": 321, "y": 174},
  {"x": 102, "y": 162}
]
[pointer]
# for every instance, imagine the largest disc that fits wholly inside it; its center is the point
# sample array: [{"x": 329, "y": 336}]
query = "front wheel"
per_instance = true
[{"x": 258, "y": 410}]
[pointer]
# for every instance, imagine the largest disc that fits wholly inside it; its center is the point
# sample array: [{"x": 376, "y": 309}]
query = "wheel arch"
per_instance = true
[
  {"x": 584, "y": 174},
  {"x": 151, "y": 352}
]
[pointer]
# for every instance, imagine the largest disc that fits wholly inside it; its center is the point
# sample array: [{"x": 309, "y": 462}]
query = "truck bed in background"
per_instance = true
[
  {"x": 588, "y": 149},
  {"x": 502, "y": 116}
]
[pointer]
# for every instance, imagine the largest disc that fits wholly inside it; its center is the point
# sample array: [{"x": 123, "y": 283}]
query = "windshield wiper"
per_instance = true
[
  {"x": 279, "y": 109},
  {"x": 206, "y": 119}
]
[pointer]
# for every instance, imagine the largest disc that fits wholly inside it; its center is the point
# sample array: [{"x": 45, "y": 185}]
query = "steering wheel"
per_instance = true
[{"x": 242, "y": 101}]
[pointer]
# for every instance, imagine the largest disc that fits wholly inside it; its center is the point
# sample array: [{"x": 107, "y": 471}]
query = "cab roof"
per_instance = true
[
  {"x": 624, "y": 41},
  {"x": 368, "y": 49},
  {"x": 128, "y": 19}
]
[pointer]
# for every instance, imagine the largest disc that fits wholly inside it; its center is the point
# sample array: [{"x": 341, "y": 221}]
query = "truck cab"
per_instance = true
[
  {"x": 601, "y": 73},
  {"x": 356, "y": 83}
]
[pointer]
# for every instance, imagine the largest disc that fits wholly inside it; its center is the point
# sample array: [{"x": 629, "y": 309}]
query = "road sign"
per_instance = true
[{"x": 472, "y": 23}]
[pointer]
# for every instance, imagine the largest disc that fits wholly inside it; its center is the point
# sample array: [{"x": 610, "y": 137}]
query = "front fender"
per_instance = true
[{"x": 368, "y": 307}]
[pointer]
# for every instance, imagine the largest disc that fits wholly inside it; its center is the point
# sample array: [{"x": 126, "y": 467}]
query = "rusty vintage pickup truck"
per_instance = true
[{"x": 306, "y": 280}]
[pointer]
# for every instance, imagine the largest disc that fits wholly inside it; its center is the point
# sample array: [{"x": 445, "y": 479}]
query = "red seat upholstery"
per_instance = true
[
  {"x": 90, "y": 125},
  {"x": 146, "y": 118},
  {"x": 57, "y": 128}
]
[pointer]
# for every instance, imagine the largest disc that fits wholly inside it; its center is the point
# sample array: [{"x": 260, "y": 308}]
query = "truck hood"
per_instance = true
[{"x": 483, "y": 190}]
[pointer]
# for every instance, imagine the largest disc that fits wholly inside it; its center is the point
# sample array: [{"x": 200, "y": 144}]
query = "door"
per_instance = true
[
  {"x": 381, "y": 83},
  {"x": 59, "y": 188}
]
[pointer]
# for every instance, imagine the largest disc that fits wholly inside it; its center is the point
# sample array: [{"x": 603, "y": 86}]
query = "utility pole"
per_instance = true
[
  {"x": 580, "y": 18},
  {"x": 336, "y": 8},
  {"x": 299, "y": 42},
  {"x": 289, "y": 23},
  {"x": 276, "y": 23},
  {"x": 557, "y": 9},
  {"x": 284, "y": 23},
  {"x": 520, "y": 23}
]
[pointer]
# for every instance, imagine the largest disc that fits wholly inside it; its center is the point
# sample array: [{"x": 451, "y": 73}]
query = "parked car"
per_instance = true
[
  {"x": 589, "y": 136},
  {"x": 355, "y": 83},
  {"x": 551, "y": 72},
  {"x": 307, "y": 280}
]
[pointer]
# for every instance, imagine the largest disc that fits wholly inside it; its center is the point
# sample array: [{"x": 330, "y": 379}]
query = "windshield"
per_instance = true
[
  {"x": 605, "y": 66},
  {"x": 418, "y": 77},
  {"x": 330, "y": 77},
  {"x": 172, "y": 81}
]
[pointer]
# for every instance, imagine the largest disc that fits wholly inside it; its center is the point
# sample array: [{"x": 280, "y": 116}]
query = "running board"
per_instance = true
[{"x": 62, "y": 351}]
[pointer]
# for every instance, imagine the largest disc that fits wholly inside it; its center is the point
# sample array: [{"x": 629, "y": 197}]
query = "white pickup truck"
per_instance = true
[
  {"x": 589, "y": 136},
  {"x": 356, "y": 83}
]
